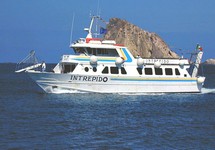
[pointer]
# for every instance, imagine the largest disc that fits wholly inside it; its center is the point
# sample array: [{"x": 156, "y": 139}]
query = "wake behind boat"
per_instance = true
[{"x": 106, "y": 67}]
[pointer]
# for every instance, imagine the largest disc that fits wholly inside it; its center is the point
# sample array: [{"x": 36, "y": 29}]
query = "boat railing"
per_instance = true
[{"x": 28, "y": 63}]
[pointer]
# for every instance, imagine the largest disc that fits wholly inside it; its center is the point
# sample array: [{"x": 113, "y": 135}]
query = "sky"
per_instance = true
[{"x": 45, "y": 25}]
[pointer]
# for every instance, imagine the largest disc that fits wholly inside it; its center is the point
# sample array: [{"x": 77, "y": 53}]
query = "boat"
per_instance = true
[{"x": 103, "y": 66}]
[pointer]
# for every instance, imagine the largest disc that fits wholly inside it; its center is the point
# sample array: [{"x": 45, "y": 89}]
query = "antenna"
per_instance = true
[
  {"x": 98, "y": 8},
  {"x": 73, "y": 19},
  {"x": 98, "y": 15}
]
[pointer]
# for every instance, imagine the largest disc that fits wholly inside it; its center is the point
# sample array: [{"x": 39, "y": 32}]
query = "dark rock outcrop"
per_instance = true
[{"x": 138, "y": 41}]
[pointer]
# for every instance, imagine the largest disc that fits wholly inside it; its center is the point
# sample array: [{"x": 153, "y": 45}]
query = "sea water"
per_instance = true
[{"x": 31, "y": 119}]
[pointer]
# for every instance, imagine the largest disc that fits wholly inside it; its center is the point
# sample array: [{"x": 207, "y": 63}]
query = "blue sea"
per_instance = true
[{"x": 31, "y": 119}]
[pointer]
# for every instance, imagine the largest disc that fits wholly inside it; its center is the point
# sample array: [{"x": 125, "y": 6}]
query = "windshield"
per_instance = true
[
  {"x": 96, "y": 51},
  {"x": 80, "y": 51}
]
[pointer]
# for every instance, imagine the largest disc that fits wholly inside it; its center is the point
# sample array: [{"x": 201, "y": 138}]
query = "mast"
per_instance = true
[
  {"x": 196, "y": 64},
  {"x": 89, "y": 30},
  {"x": 73, "y": 19},
  {"x": 196, "y": 57}
]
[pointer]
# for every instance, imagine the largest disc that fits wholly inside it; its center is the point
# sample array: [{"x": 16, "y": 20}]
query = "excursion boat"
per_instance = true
[{"x": 106, "y": 67}]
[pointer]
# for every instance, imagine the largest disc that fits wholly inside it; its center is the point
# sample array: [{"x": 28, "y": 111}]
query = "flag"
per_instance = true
[
  {"x": 103, "y": 30},
  {"x": 198, "y": 47}
]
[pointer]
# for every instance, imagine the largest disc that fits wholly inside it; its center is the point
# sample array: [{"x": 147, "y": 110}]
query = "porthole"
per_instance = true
[
  {"x": 86, "y": 69},
  {"x": 94, "y": 69}
]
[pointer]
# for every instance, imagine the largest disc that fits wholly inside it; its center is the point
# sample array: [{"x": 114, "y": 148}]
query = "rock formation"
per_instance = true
[
  {"x": 210, "y": 62},
  {"x": 138, "y": 41}
]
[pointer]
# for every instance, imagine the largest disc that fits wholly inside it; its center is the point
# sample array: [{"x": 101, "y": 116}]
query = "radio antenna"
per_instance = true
[
  {"x": 98, "y": 15},
  {"x": 73, "y": 19},
  {"x": 98, "y": 8}
]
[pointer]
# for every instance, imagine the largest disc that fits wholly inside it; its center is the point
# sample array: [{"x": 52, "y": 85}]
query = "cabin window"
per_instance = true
[
  {"x": 168, "y": 71},
  {"x": 177, "y": 72},
  {"x": 158, "y": 71},
  {"x": 114, "y": 70},
  {"x": 69, "y": 68},
  {"x": 80, "y": 50},
  {"x": 105, "y": 70},
  {"x": 112, "y": 52},
  {"x": 123, "y": 71},
  {"x": 102, "y": 52},
  {"x": 99, "y": 51},
  {"x": 90, "y": 51},
  {"x": 140, "y": 71},
  {"x": 148, "y": 71}
]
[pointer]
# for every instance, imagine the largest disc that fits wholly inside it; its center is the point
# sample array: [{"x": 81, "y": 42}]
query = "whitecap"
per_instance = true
[{"x": 207, "y": 91}]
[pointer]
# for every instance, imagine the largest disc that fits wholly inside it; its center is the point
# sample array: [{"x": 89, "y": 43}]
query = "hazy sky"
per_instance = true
[{"x": 45, "y": 25}]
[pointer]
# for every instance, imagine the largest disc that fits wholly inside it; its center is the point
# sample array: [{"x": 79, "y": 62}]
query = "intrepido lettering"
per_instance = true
[
  {"x": 89, "y": 78},
  {"x": 163, "y": 61}
]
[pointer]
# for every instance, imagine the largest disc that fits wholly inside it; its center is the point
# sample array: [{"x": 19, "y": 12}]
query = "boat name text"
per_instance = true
[
  {"x": 89, "y": 78},
  {"x": 163, "y": 61}
]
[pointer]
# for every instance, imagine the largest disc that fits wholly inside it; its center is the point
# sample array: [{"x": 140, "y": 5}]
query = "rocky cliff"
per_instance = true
[{"x": 138, "y": 41}]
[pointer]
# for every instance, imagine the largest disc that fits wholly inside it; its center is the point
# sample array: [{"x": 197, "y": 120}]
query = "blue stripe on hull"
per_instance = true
[{"x": 145, "y": 80}]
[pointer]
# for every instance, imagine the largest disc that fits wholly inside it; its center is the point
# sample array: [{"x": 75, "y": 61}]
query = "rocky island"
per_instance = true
[
  {"x": 139, "y": 42},
  {"x": 210, "y": 62}
]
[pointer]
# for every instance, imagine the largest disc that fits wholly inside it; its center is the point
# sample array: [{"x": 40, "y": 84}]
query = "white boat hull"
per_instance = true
[{"x": 54, "y": 83}]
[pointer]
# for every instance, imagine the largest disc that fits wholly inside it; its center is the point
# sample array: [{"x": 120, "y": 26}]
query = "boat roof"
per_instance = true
[{"x": 96, "y": 43}]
